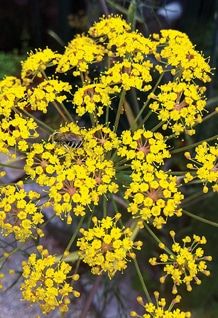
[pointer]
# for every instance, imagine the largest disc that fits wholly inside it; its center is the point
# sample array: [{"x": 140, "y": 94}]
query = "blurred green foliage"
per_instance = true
[{"x": 9, "y": 63}]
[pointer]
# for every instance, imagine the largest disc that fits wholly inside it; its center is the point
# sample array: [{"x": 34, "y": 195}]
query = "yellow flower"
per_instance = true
[
  {"x": 46, "y": 282},
  {"x": 109, "y": 27},
  {"x": 205, "y": 165},
  {"x": 11, "y": 94},
  {"x": 48, "y": 91},
  {"x": 76, "y": 177},
  {"x": 153, "y": 195},
  {"x": 143, "y": 145},
  {"x": 37, "y": 62},
  {"x": 106, "y": 247},
  {"x": 79, "y": 54},
  {"x": 129, "y": 74},
  {"x": 100, "y": 140},
  {"x": 179, "y": 106},
  {"x": 81, "y": 185},
  {"x": 18, "y": 213},
  {"x": 175, "y": 50},
  {"x": 15, "y": 132},
  {"x": 184, "y": 262},
  {"x": 159, "y": 310},
  {"x": 92, "y": 98},
  {"x": 131, "y": 45}
]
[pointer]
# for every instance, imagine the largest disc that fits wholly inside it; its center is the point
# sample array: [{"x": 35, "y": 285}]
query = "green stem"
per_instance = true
[
  {"x": 148, "y": 100},
  {"x": 146, "y": 117},
  {"x": 71, "y": 258},
  {"x": 38, "y": 121},
  {"x": 135, "y": 103},
  {"x": 119, "y": 110},
  {"x": 135, "y": 229},
  {"x": 156, "y": 238},
  {"x": 193, "y": 145},
  {"x": 193, "y": 197},
  {"x": 68, "y": 114},
  {"x": 155, "y": 128},
  {"x": 57, "y": 107},
  {"x": 142, "y": 281},
  {"x": 92, "y": 118},
  {"x": 131, "y": 14},
  {"x": 107, "y": 116},
  {"x": 104, "y": 207},
  {"x": 171, "y": 136},
  {"x": 176, "y": 173},
  {"x": 198, "y": 218},
  {"x": 122, "y": 10},
  {"x": 209, "y": 116},
  {"x": 74, "y": 234}
]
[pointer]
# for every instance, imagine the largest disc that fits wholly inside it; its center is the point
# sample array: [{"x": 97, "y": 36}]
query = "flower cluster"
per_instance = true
[
  {"x": 174, "y": 49},
  {"x": 79, "y": 54},
  {"x": 131, "y": 45},
  {"x": 48, "y": 91},
  {"x": 155, "y": 82},
  {"x": 81, "y": 185},
  {"x": 16, "y": 132},
  {"x": 109, "y": 27},
  {"x": 106, "y": 247},
  {"x": 129, "y": 74},
  {"x": 37, "y": 62},
  {"x": 153, "y": 195},
  {"x": 93, "y": 98},
  {"x": 143, "y": 145},
  {"x": 76, "y": 177},
  {"x": 19, "y": 213},
  {"x": 205, "y": 163},
  {"x": 45, "y": 282},
  {"x": 101, "y": 140},
  {"x": 179, "y": 106},
  {"x": 11, "y": 93},
  {"x": 159, "y": 309},
  {"x": 184, "y": 262}
]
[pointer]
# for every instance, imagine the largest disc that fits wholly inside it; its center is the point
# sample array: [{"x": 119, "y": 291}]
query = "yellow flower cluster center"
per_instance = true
[{"x": 106, "y": 247}]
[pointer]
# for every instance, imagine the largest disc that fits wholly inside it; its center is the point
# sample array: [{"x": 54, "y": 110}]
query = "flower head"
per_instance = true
[
  {"x": 48, "y": 91},
  {"x": 127, "y": 74},
  {"x": 92, "y": 98},
  {"x": 143, "y": 145},
  {"x": 46, "y": 282},
  {"x": 79, "y": 54},
  {"x": 106, "y": 247},
  {"x": 153, "y": 195},
  {"x": 179, "y": 106},
  {"x": 37, "y": 62},
  {"x": 11, "y": 94},
  {"x": 19, "y": 213},
  {"x": 159, "y": 309},
  {"x": 185, "y": 262},
  {"x": 16, "y": 132},
  {"x": 175, "y": 50},
  {"x": 205, "y": 163},
  {"x": 109, "y": 27}
]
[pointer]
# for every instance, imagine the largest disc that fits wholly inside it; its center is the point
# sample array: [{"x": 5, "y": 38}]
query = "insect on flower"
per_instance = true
[{"x": 68, "y": 139}]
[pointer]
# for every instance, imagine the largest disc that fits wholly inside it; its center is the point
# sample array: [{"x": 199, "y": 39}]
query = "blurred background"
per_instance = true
[{"x": 29, "y": 24}]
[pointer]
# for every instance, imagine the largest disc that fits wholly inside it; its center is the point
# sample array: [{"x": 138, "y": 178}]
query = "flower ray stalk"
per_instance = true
[
  {"x": 148, "y": 297},
  {"x": 119, "y": 110},
  {"x": 199, "y": 218}
]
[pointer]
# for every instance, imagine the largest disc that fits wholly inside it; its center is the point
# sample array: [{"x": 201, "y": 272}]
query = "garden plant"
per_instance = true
[{"x": 117, "y": 167}]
